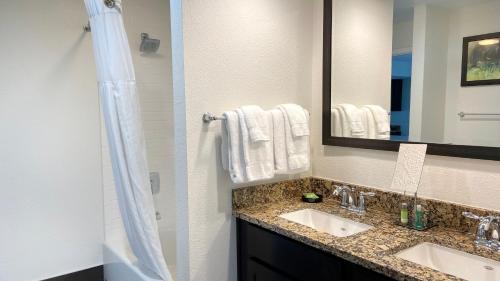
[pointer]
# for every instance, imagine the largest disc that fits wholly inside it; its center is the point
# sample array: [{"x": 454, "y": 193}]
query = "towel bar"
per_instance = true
[
  {"x": 463, "y": 114},
  {"x": 209, "y": 117}
]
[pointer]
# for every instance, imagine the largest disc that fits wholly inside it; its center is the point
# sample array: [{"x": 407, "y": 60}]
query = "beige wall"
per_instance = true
[
  {"x": 236, "y": 53},
  {"x": 51, "y": 210}
]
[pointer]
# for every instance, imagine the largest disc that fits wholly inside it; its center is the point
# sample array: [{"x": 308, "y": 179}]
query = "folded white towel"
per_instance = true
[
  {"x": 232, "y": 153},
  {"x": 344, "y": 121},
  {"x": 298, "y": 118},
  {"x": 381, "y": 117},
  {"x": 280, "y": 154},
  {"x": 371, "y": 130},
  {"x": 297, "y": 148},
  {"x": 354, "y": 119},
  {"x": 256, "y": 121},
  {"x": 336, "y": 129},
  {"x": 259, "y": 157}
]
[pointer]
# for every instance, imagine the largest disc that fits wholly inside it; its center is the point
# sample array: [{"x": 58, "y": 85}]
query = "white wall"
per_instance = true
[
  {"x": 430, "y": 47},
  {"x": 469, "y": 21},
  {"x": 402, "y": 39},
  {"x": 154, "y": 81},
  {"x": 362, "y": 52},
  {"x": 466, "y": 181},
  {"x": 436, "y": 50},
  {"x": 50, "y": 169},
  {"x": 236, "y": 53}
]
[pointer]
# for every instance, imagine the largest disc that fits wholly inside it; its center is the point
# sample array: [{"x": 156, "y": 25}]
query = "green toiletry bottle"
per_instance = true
[
  {"x": 404, "y": 214},
  {"x": 419, "y": 220}
]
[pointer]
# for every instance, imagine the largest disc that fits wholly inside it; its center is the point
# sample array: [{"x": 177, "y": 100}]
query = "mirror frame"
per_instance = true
[{"x": 464, "y": 151}]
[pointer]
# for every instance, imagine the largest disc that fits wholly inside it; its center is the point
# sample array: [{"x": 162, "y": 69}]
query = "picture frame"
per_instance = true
[{"x": 481, "y": 60}]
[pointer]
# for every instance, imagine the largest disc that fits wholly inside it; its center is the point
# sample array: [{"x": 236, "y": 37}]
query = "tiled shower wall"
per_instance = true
[{"x": 154, "y": 81}]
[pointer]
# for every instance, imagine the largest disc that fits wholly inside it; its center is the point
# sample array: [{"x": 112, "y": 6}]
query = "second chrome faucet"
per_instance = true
[{"x": 349, "y": 199}]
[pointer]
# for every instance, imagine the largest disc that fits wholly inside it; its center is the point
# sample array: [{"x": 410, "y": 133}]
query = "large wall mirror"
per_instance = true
[{"x": 422, "y": 71}]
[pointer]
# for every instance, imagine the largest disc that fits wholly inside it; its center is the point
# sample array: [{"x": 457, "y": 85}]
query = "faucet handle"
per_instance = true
[
  {"x": 361, "y": 203},
  {"x": 341, "y": 190},
  {"x": 470, "y": 215}
]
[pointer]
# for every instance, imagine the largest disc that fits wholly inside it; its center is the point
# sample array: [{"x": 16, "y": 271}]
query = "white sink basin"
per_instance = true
[
  {"x": 454, "y": 262},
  {"x": 325, "y": 222}
]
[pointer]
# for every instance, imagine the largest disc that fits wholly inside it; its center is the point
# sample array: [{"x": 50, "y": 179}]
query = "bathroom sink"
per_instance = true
[
  {"x": 454, "y": 262},
  {"x": 324, "y": 222}
]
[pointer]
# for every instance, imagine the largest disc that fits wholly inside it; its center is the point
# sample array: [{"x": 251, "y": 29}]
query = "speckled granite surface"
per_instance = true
[{"x": 374, "y": 248}]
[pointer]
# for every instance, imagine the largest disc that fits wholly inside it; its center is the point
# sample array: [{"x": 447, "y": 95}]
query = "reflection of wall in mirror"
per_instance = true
[
  {"x": 469, "y": 21},
  {"x": 429, "y": 73},
  {"x": 362, "y": 52}
]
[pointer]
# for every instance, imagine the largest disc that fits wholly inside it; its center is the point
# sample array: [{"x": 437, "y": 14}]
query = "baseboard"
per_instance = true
[{"x": 91, "y": 274}]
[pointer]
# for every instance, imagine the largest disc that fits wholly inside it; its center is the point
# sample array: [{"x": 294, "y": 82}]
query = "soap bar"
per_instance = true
[{"x": 311, "y": 195}]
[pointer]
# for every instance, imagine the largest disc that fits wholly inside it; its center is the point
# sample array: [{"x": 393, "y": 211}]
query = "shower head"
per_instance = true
[{"x": 149, "y": 45}]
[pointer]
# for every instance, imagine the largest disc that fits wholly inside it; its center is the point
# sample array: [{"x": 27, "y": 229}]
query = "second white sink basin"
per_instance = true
[
  {"x": 325, "y": 222},
  {"x": 454, "y": 262}
]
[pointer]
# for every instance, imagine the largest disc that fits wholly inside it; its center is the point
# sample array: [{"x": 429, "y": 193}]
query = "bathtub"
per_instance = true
[{"x": 120, "y": 265}]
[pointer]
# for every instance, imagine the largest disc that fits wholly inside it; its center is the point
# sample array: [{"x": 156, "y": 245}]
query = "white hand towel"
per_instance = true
[
  {"x": 298, "y": 151},
  {"x": 232, "y": 153},
  {"x": 354, "y": 118},
  {"x": 280, "y": 155},
  {"x": 298, "y": 118},
  {"x": 257, "y": 123},
  {"x": 381, "y": 117},
  {"x": 336, "y": 129},
  {"x": 259, "y": 157},
  {"x": 371, "y": 129}
]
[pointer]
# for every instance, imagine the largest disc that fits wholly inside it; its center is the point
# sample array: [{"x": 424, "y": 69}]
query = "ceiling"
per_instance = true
[{"x": 403, "y": 9}]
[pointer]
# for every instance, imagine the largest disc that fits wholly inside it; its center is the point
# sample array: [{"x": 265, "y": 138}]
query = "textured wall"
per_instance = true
[
  {"x": 50, "y": 167},
  {"x": 236, "y": 53}
]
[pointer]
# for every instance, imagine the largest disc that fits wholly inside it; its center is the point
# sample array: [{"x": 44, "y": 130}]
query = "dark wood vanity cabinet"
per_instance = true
[{"x": 267, "y": 256}]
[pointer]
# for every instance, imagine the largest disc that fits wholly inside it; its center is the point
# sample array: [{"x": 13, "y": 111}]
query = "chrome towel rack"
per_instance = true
[
  {"x": 463, "y": 114},
  {"x": 209, "y": 117}
]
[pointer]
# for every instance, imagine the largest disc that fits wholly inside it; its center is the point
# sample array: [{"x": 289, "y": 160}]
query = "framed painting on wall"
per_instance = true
[{"x": 481, "y": 60}]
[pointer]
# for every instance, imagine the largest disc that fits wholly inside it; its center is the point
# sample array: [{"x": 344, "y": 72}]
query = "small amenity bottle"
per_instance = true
[
  {"x": 404, "y": 214},
  {"x": 419, "y": 220}
]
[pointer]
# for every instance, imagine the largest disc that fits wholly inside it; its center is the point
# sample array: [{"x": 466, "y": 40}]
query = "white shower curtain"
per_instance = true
[{"x": 118, "y": 93}]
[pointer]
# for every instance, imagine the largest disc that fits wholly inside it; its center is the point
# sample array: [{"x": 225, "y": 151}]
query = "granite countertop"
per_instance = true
[{"x": 375, "y": 248}]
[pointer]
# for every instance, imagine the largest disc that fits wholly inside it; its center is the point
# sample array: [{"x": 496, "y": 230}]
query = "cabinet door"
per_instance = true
[{"x": 259, "y": 272}]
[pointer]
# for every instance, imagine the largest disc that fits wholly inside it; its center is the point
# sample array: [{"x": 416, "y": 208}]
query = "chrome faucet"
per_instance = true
[
  {"x": 349, "y": 200},
  {"x": 482, "y": 231}
]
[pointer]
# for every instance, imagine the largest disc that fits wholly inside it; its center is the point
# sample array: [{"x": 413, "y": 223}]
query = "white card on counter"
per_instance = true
[{"x": 409, "y": 167}]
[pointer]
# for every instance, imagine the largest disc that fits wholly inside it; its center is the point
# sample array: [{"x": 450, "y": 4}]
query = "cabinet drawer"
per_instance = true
[
  {"x": 260, "y": 272},
  {"x": 295, "y": 259}
]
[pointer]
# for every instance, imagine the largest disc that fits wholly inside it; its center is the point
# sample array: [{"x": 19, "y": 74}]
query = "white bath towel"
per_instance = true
[
  {"x": 232, "y": 152},
  {"x": 371, "y": 126},
  {"x": 297, "y": 148},
  {"x": 352, "y": 113},
  {"x": 298, "y": 119},
  {"x": 257, "y": 124},
  {"x": 259, "y": 156},
  {"x": 280, "y": 154},
  {"x": 336, "y": 129},
  {"x": 382, "y": 121}
]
